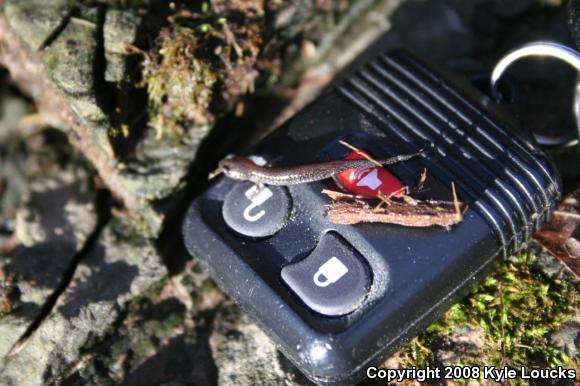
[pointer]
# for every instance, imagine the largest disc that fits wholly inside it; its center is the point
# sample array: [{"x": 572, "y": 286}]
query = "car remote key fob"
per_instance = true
[{"x": 339, "y": 298}]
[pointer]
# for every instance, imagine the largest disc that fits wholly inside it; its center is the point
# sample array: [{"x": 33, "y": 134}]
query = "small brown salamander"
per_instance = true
[{"x": 241, "y": 168}]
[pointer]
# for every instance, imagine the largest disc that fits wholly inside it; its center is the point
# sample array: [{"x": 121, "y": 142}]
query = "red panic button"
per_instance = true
[{"x": 369, "y": 181}]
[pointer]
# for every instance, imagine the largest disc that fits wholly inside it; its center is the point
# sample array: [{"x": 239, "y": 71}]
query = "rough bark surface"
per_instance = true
[{"x": 81, "y": 64}]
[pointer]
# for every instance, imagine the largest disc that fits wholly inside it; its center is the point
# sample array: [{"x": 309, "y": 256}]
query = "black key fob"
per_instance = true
[{"x": 339, "y": 298}]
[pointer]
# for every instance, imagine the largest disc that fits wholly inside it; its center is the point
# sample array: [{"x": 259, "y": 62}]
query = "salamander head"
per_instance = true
[{"x": 237, "y": 168}]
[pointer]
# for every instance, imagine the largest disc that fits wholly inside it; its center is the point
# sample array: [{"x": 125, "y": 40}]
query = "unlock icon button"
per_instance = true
[
  {"x": 254, "y": 211},
  {"x": 333, "y": 280}
]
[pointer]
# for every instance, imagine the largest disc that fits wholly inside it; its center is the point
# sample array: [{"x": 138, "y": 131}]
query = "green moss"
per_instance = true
[
  {"x": 517, "y": 308},
  {"x": 180, "y": 85},
  {"x": 417, "y": 354},
  {"x": 200, "y": 64}
]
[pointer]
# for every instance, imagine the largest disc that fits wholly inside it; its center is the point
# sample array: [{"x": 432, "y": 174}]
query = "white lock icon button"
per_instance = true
[
  {"x": 330, "y": 272},
  {"x": 333, "y": 280}
]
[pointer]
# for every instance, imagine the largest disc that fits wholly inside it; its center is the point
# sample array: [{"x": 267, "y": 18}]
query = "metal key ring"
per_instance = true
[{"x": 543, "y": 49}]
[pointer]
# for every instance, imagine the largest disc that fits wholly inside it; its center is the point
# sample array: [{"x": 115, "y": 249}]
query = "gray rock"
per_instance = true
[
  {"x": 437, "y": 30},
  {"x": 56, "y": 217},
  {"x": 113, "y": 272},
  {"x": 120, "y": 29},
  {"x": 162, "y": 337},
  {"x": 567, "y": 337},
  {"x": 71, "y": 61},
  {"x": 245, "y": 356},
  {"x": 460, "y": 345},
  {"x": 36, "y": 20},
  {"x": 172, "y": 160},
  {"x": 12, "y": 156},
  {"x": 551, "y": 266}
]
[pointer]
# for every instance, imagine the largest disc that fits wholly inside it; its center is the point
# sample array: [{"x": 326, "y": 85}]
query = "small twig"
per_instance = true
[
  {"x": 231, "y": 39},
  {"x": 401, "y": 191},
  {"x": 561, "y": 213},
  {"x": 183, "y": 14},
  {"x": 378, "y": 206},
  {"x": 384, "y": 198},
  {"x": 424, "y": 214},
  {"x": 337, "y": 195},
  {"x": 360, "y": 152},
  {"x": 387, "y": 199},
  {"x": 409, "y": 200},
  {"x": 456, "y": 202},
  {"x": 422, "y": 179},
  {"x": 133, "y": 49},
  {"x": 215, "y": 173}
]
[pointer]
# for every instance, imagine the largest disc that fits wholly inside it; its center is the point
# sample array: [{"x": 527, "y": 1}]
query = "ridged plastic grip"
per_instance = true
[{"x": 505, "y": 179}]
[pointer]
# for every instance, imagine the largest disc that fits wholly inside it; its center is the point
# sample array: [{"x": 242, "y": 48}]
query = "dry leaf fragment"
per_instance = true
[{"x": 561, "y": 237}]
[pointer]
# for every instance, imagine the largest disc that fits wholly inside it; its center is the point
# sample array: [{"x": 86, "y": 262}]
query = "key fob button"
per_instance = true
[
  {"x": 333, "y": 280},
  {"x": 368, "y": 182},
  {"x": 256, "y": 212}
]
